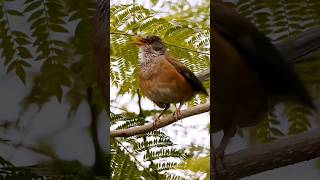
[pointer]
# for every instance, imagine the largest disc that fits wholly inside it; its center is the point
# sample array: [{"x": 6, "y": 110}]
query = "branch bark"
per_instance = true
[
  {"x": 203, "y": 75},
  {"x": 161, "y": 122},
  {"x": 298, "y": 48},
  {"x": 278, "y": 153}
]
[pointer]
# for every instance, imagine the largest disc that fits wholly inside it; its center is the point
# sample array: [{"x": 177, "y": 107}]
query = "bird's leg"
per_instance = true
[
  {"x": 218, "y": 153},
  {"x": 177, "y": 113},
  {"x": 158, "y": 118}
]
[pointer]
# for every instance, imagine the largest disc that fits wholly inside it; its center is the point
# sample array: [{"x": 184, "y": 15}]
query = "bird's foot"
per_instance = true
[
  {"x": 177, "y": 114},
  {"x": 155, "y": 123},
  {"x": 218, "y": 158}
]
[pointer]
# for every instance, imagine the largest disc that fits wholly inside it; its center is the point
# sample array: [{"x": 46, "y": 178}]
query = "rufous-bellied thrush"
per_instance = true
[{"x": 163, "y": 79}]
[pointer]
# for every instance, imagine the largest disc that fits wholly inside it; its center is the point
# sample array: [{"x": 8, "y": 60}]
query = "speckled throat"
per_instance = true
[{"x": 147, "y": 56}]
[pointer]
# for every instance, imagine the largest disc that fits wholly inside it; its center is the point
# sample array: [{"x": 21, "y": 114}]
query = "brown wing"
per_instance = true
[{"x": 188, "y": 75}]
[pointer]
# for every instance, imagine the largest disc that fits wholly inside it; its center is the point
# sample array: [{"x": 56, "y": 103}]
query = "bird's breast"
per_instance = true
[{"x": 160, "y": 82}]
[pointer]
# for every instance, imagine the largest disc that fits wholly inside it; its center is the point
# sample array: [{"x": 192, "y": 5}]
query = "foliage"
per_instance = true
[
  {"x": 298, "y": 118},
  {"x": 49, "y": 44},
  {"x": 199, "y": 164},
  {"x": 151, "y": 148},
  {"x": 58, "y": 170},
  {"x": 268, "y": 130},
  {"x": 152, "y": 155}
]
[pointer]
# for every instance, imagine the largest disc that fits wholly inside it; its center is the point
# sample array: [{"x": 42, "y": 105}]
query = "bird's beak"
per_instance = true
[{"x": 139, "y": 41}]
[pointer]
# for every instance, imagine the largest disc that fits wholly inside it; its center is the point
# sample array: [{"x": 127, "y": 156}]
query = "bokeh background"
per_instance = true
[{"x": 52, "y": 115}]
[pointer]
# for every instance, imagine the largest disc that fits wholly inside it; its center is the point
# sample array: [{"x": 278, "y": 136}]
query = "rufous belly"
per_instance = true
[{"x": 165, "y": 84}]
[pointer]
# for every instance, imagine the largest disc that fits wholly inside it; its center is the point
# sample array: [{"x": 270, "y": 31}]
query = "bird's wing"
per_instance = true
[
  {"x": 277, "y": 75},
  {"x": 188, "y": 75}
]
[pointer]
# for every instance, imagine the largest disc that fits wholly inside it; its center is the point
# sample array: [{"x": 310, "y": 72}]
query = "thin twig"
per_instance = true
[
  {"x": 187, "y": 49},
  {"x": 173, "y": 45},
  {"x": 131, "y": 154}
]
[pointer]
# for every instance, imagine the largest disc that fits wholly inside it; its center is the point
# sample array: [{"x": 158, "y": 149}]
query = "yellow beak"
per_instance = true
[{"x": 139, "y": 41}]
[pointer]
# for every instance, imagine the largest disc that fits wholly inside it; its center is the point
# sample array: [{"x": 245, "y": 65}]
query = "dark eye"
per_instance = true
[{"x": 157, "y": 46}]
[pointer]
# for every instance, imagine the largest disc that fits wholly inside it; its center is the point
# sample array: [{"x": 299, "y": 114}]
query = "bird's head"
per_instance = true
[{"x": 151, "y": 44}]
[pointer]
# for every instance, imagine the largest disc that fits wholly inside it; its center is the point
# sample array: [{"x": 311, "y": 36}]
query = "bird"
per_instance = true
[
  {"x": 249, "y": 77},
  {"x": 162, "y": 78}
]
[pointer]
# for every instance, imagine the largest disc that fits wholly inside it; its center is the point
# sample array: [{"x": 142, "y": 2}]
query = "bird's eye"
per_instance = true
[{"x": 157, "y": 46}]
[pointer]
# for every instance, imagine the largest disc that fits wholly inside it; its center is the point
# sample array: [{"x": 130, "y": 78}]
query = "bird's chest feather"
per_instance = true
[{"x": 160, "y": 82}]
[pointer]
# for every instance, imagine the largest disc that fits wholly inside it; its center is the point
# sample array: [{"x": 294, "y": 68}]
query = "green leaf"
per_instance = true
[
  {"x": 20, "y": 34},
  {"x": 276, "y": 132},
  {"x": 15, "y": 13},
  {"x": 22, "y": 41},
  {"x": 36, "y": 15},
  {"x": 58, "y": 28},
  {"x": 23, "y": 63},
  {"x": 32, "y": 6},
  {"x": 38, "y": 22},
  {"x": 24, "y": 52},
  {"x": 29, "y": 1},
  {"x": 154, "y": 2},
  {"x": 21, "y": 73},
  {"x": 12, "y": 66}
]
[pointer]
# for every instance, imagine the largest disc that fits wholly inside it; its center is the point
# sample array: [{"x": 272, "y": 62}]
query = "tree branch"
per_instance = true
[
  {"x": 160, "y": 123},
  {"x": 278, "y": 153},
  {"x": 204, "y": 75},
  {"x": 199, "y": 52},
  {"x": 296, "y": 48}
]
